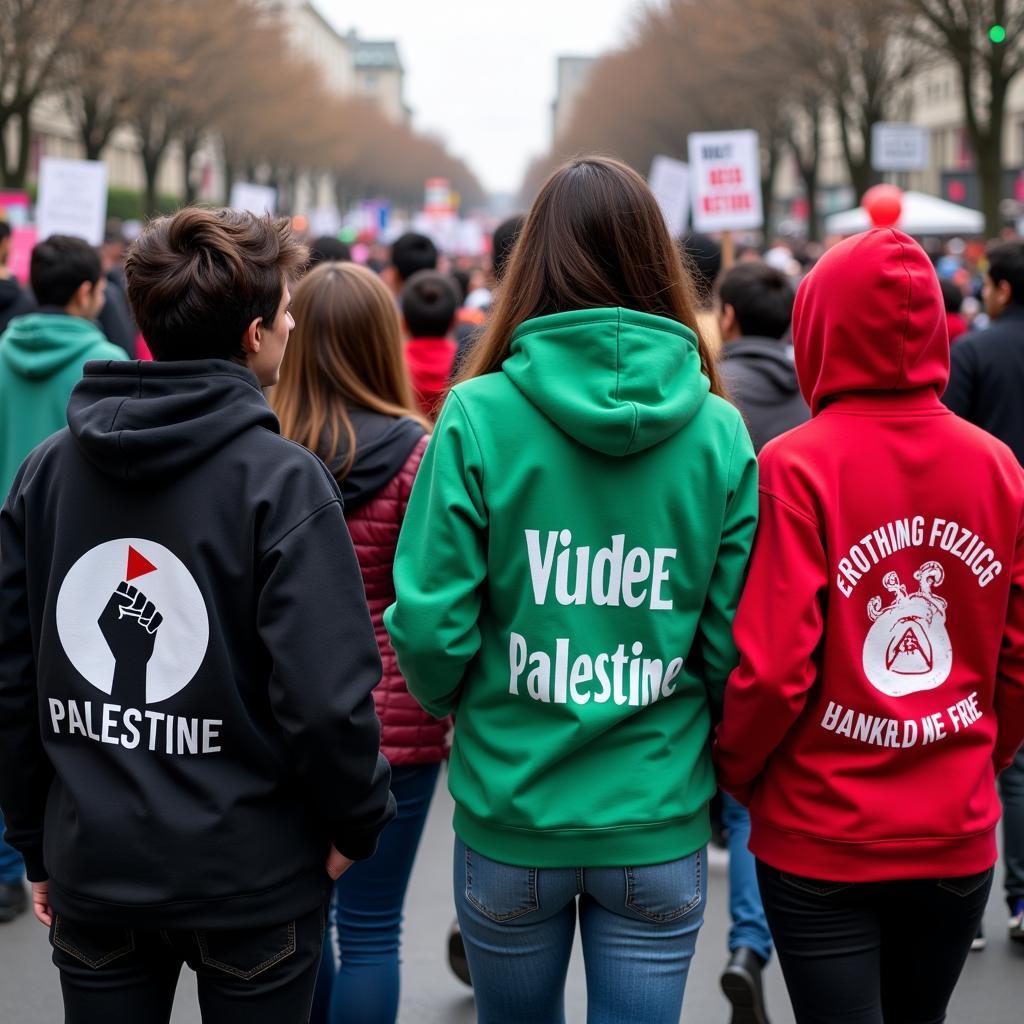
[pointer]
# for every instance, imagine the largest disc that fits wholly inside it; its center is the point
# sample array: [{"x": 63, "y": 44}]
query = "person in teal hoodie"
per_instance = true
[
  {"x": 566, "y": 578},
  {"x": 42, "y": 353}
]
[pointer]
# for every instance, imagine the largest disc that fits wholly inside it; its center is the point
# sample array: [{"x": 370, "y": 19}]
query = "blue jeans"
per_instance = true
[
  {"x": 749, "y": 927},
  {"x": 12, "y": 868},
  {"x": 359, "y": 973},
  {"x": 638, "y": 925},
  {"x": 1011, "y": 789}
]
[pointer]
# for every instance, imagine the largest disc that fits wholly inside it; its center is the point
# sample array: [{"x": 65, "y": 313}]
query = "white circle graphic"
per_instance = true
[{"x": 161, "y": 600}]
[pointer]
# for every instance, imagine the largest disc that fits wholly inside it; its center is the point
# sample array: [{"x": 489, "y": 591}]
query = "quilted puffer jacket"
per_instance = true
[{"x": 410, "y": 736}]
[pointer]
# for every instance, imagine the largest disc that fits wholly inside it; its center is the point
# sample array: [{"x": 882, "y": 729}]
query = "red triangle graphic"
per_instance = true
[{"x": 138, "y": 565}]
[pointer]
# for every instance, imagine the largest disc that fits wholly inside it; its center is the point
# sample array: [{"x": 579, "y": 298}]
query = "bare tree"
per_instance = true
[{"x": 966, "y": 32}]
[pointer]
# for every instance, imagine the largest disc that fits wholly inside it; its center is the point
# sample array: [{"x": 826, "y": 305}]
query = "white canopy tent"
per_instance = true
[{"x": 922, "y": 215}]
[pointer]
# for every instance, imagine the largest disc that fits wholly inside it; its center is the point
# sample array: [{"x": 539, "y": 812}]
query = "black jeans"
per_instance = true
[
  {"x": 872, "y": 952},
  {"x": 1011, "y": 789},
  {"x": 259, "y": 975}
]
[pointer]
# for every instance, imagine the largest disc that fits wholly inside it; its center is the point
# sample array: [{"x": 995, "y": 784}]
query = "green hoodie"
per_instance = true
[
  {"x": 566, "y": 578},
  {"x": 41, "y": 360}
]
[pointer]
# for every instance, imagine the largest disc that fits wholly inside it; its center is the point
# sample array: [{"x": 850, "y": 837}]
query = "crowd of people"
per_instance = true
[{"x": 650, "y": 550}]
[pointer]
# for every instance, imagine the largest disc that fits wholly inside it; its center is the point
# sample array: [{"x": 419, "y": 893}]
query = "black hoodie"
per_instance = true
[
  {"x": 186, "y": 658},
  {"x": 14, "y": 301},
  {"x": 761, "y": 377}
]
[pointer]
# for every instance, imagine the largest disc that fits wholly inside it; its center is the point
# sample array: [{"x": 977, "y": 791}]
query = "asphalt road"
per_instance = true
[{"x": 991, "y": 989}]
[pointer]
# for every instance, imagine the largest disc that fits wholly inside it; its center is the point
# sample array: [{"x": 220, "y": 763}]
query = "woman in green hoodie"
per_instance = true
[{"x": 566, "y": 579}]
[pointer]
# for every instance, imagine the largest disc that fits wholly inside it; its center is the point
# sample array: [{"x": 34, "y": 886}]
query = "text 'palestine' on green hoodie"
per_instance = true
[
  {"x": 572, "y": 555},
  {"x": 41, "y": 360}
]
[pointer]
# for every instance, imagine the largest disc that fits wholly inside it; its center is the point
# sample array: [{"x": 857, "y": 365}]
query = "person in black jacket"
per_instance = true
[
  {"x": 755, "y": 304},
  {"x": 189, "y": 751},
  {"x": 14, "y": 300},
  {"x": 986, "y": 387}
]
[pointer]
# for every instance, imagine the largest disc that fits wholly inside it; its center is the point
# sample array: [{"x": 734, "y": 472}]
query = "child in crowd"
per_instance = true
[
  {"x": 881, "y": 683},
  {"x": 429, "y": 303},
  {"x": 566, "y": 579},
  {"x": 344, "y": 393}
]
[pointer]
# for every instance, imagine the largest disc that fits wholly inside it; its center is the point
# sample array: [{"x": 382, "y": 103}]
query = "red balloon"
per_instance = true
[{"x": 884, "y": 205}]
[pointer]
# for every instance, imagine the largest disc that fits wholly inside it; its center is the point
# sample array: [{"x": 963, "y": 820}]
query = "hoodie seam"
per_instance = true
[
  {"x": 302, "y": 522},
  {"x": 906, "y": 322},
  {"x": 792, "y": 508},
  {"x": 684, "y": 331},
  {"x": 476, "y": 440},
  {"x": 185, "y": 376}
]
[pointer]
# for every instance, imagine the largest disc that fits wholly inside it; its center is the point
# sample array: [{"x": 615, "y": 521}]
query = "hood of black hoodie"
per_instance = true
[
  {"x": 383, "y": 444},
  {"x": 10, "y": 292},
  {"x": 146, "y": 420},
  {"x": 771, "y": 358}
]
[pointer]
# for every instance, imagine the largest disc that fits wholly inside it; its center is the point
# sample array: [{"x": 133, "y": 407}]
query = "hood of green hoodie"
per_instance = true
[
  {"x": 615, "y": 380},
  {"x": 39, "y": 345}
]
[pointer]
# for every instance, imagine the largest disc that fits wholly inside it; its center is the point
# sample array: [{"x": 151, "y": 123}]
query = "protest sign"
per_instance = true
[
  {"x": 72, "y": 199},
  {"x": 725, "y": 175}
]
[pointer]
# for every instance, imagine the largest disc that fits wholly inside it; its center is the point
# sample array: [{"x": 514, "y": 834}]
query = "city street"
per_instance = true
[{"x": 991, "y": 990}]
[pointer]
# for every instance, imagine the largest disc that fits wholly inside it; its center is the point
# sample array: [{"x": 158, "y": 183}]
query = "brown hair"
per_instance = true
[
  {"x": 198, "y": 279},
  {"x": 595, "y": 237},
  {"x": 345, "y": 350}
]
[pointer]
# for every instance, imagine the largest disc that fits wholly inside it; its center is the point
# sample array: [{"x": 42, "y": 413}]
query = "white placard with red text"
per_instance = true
[{"x": 725, "y": 177}]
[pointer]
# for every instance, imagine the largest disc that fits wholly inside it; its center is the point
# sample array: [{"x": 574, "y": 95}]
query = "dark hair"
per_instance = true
[
  {"x": 198, "y": 279},
  {"x": 594, "y": 238},
  {"x": 503, "y": 242},
  {"x": 412, "y": 252},
  {"x": 429, "y": 303},
  {"x": 706, "y": 259},
  {"x": 761, "y": 296},
  {"x": 461, "y": 279},
  {"x": 60, "y": 266},
  {"x": 1006, "y": 263},
  {"x": 5, "y": 231},
  {"x": 952, "y": 295},
  {"x": 328, "y": 249}
]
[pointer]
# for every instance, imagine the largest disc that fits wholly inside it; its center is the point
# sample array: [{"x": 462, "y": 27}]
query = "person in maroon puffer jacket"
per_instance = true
[{"x": 345, "y": 393}]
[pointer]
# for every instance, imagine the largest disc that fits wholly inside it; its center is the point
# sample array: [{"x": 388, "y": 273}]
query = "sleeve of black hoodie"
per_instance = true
[
  {"x": 314, "y": 621},
  {"x": 25, "y": 770}
]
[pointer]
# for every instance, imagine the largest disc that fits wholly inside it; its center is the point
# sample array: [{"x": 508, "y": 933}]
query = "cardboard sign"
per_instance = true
[
  {"x": 257, "y": 199},
  {"x": 899, "y": 147},
  {"x": 72, "y": 199},
  {"x": 725, "y": 175},
  {"x": 670, "y": 182}
]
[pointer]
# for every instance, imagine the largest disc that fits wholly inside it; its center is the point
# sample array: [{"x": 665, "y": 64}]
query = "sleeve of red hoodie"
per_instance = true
[
  {"x": 1009, "y": 698},
  {"x": 25, "y": 769},
  {"x": 717, "y": 649},
  {"x": 778, "y": 629}
]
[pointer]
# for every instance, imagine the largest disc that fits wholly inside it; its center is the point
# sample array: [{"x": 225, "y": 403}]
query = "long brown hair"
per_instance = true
[
  {"x": 345, "y": 350},
  {"x": 594, "y": 237}
]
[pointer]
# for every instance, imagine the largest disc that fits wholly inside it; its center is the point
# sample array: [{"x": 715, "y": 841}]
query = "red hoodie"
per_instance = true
[
  {"x": 881, "y": 631},
  {"x": 430, "y": 362}
]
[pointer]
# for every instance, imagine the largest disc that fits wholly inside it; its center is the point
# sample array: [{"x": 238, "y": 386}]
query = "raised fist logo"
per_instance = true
[{"x": 129, "y": 624}]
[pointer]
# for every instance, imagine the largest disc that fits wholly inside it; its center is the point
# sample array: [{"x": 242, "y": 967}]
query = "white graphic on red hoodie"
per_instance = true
[{"x": 907, "y": 648}]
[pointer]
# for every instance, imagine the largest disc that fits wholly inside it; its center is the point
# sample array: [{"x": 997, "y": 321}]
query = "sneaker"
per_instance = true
[
  {"x": 741, "y": 983},
  {"x": 457, "y": 956},
  {"x": 13, "y": 901},
  {"x": 978, "y": 942},
  {"x": 1016, "y": 922}
]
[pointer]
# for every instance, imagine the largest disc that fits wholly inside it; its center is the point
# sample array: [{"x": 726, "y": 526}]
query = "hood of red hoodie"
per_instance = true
[{"x": 870, "y": 317}]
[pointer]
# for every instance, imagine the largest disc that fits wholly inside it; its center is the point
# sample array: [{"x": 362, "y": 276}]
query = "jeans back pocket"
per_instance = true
[
  {"x": 501, "y": 892},
  {"x": 666, "y": 892},
  {"x": 245, "y": 952},
  {"x": 93, "y": 945}
]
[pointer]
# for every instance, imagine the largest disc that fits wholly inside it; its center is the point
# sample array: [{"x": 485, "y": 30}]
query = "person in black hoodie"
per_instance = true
[
  {"x": 189, "y": 751},
  {"x": 755, "y": 303},
  {"x": 14, "y": 300}
]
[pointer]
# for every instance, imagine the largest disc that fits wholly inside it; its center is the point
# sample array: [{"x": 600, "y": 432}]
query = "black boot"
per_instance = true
[
  {"x": 12, "y": 901},
  {"x": 741, "y": 983}
]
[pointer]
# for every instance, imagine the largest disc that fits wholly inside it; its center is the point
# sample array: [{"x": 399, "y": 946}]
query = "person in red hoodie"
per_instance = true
[
  {"x": 344, "y": 392},
  {"x": 429, "y": 303},
  {"x": 881, "y": 635}
]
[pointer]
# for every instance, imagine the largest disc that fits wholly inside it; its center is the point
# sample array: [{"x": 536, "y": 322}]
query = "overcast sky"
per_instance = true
[{"x": 481, "y": 73}]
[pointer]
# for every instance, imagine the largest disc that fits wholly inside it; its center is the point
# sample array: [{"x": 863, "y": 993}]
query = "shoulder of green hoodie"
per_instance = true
[{"x": 434, "y": 629}]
